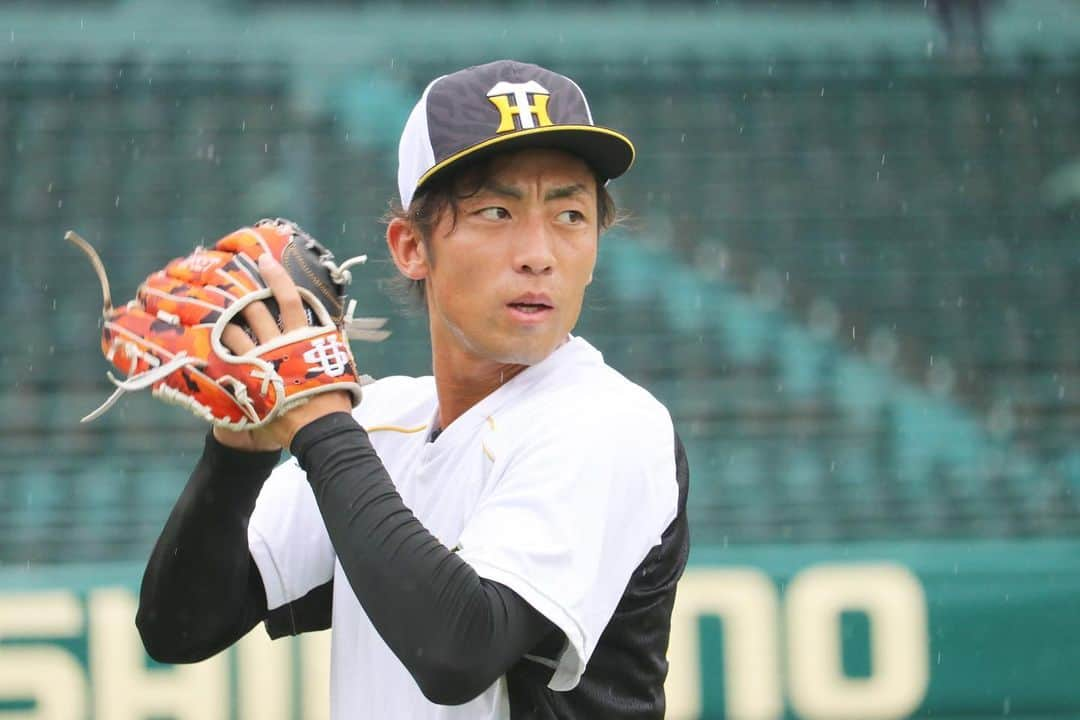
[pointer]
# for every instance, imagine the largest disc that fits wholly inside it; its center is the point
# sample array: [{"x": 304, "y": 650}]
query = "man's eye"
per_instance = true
[
  {"x": 572, "y": 216},
  {"x": 494, "y": 213}
]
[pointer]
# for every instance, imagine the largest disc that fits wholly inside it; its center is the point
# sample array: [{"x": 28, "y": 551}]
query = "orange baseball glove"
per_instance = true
[{"x": 169, "y": 338}]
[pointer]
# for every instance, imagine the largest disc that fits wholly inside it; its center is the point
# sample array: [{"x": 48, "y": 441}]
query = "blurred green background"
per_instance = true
[{"x": 851, "y": 268}]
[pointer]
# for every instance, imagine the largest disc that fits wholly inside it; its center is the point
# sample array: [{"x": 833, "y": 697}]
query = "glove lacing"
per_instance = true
[
  {"x": 140, "y": 381},
  {"x": 368, "y": 329},
  {"x": 355, "y": 328}
]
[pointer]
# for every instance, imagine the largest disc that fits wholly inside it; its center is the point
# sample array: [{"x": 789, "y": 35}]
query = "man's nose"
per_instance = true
[{"x": 533, "y": 250}]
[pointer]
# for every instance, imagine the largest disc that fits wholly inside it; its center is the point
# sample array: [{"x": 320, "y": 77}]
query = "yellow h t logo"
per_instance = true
[{"x": 513, "y": 99}]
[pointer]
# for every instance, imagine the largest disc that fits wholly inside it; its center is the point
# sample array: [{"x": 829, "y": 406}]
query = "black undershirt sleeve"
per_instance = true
[
  {"x": 201, "y": 590},
  {"x": 454, "y": 631}
]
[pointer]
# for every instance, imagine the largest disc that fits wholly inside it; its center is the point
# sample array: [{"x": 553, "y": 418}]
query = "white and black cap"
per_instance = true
[{"x": 501, "y": 106}]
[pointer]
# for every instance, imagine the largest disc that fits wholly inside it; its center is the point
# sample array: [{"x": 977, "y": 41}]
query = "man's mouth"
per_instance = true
[
  {"x": 530, "y": 307},
  {"x": 531, "y": 304}
]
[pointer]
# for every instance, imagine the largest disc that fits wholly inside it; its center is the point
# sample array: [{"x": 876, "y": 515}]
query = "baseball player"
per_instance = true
[{"x": 500, "y": 540}]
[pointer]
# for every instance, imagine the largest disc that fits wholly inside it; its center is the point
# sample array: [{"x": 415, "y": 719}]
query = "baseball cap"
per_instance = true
[{"x": 501, "y": 106}]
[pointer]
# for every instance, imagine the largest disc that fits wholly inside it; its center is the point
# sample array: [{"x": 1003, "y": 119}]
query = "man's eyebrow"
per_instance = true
[
  {"x": 558, "y": 193},
  {"x": 564, "y": 191},
  {"x": 505, "y": 190}
]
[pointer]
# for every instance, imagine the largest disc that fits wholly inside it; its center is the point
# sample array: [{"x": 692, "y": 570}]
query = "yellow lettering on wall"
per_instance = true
[
  {"x": 264, "y": 687},
  {"x": 747, "y": 603},
  {"x": 124, "y": 689},
  {"x": 49, "y": 676},
  {"x": 893, "y": 599},
  {"x": 315, "y": 675}
]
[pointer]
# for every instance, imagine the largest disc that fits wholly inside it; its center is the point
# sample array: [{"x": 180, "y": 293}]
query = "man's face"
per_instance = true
[{"x": 506, "y": 278}]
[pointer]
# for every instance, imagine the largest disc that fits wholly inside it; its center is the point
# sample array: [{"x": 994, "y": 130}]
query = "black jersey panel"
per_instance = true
[
  {"x": 310, "y": 613},
  {"x": 624, "y": 679}
]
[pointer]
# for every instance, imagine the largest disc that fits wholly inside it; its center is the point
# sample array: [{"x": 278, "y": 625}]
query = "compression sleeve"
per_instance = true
[
  {"x": 202, "y": 591},
  {"x": 455, "y": 632}
]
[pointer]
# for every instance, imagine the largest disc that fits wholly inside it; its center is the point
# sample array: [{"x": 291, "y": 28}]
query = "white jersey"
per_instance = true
[{"x": 557, "y": 485}]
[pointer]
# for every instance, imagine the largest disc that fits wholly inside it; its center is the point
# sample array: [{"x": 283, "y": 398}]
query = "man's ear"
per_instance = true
[{"x": 407, "y": 248}]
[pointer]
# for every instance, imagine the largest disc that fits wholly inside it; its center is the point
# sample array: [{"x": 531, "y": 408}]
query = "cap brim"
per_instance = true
[{"x": 607, "y": 151}]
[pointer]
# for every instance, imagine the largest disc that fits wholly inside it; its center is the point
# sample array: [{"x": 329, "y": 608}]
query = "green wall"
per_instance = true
[{"x": 870, "y": 630}]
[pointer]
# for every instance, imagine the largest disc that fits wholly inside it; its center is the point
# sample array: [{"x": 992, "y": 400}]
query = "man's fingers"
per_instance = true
[
  {"x": 261, "y": 321},
  {"x": 236, "y": 340},
  {"x": 258, "y": 316},
  {"x": 288, "y": 298}
]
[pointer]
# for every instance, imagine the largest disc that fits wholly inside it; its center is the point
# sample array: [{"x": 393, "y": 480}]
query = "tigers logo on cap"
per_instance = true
[
  {"x": 502, "y": 106},
  {"x": 513, "y": 100}
]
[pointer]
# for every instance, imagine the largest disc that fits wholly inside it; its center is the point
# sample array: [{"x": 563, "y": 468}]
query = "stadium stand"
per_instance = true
[{"x": 840, "y": 275}]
